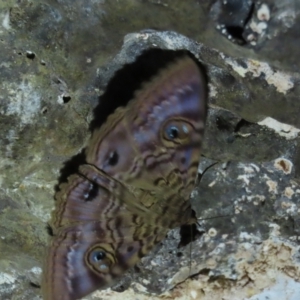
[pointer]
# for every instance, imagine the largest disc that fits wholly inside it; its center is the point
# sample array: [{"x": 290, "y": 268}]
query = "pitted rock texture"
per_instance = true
[{"x": 60, "y": 60}]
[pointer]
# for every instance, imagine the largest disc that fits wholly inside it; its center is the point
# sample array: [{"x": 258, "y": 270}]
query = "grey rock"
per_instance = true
[{"x": 58, "y": 57}]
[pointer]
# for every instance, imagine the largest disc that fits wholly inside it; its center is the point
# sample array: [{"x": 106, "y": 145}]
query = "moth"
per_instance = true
[{"x": 140, "y": 170}]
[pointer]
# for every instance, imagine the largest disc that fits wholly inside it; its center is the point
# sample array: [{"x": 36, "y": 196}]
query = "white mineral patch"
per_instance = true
[
  {"x": 212, "y": 90},
  {"x": 288, "y": 131},
  {"x": 60, "y": 99},
  {"x": 257, "y": 169},
  {"x": 34, "y": 275},
  {"x": 259, "y": 27},
  {"x": 194, "y": 294},
  {"x": 272, "y": 186},
  {"x": 212, "y": 183},
  {"x": 282, "y": 81},
  {"x": 289, "y": 192},
  {"x": 249, "y": 168},
  {"x": 256, "y": 199},
  {"x": 175, "y": 41},
  {"x": 11, "y": 137},
  {"x": 274, "y": 229},
  {"x": 5, "y": 21},
  {"x": 7, "y": 282},
  {"x": 285, "y": 288},
  {"x": 24, "y": 101},
  {"x": 6, "y": 278},
  {"x": 245, "y": 178},
  {"x": 140, "y": 288},
  {"x": 263, "y": 13},
  {"x": 288, "y": 16},
  {"x": 212, "y": 232},
  {"x": 245, "y": 236},
  {"x": 242, "y": 71}
]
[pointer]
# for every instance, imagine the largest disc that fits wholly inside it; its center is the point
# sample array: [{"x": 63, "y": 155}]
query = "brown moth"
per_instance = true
[{"x": 141, "y": 168}]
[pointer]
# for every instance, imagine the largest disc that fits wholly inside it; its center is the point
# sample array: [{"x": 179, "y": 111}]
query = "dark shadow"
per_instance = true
[
  {"x": 233, "y": 16},
  {"x": 188, "y": 234},
  {"x": 126, "y": 81},
  {"x": 242, "y": 124},
  {"x": 49, "y": 230},
  {"x": 34, "y": 285},
  {"x": 70, "y": 167}
]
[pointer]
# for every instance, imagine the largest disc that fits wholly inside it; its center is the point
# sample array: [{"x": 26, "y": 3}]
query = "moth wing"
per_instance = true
[
  {"x": 73, "y": 268},
  {"x": 167, "y": 124},
  {"x": 91, "y": 194},
  {"x": 99, "y": 233},
  {"x": 167, "y": 121},
  {"x": 155, "y": 141}
]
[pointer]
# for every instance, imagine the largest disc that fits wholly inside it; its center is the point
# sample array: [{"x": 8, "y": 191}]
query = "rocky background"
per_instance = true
[{"x": 60, "y": 58}]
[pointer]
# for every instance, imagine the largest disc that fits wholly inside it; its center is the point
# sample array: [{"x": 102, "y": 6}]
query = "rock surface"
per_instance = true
[{"x": 58, "y": 57}]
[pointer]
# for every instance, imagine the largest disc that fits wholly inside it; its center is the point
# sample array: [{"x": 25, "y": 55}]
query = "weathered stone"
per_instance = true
[{"x": 58, "y": 57}]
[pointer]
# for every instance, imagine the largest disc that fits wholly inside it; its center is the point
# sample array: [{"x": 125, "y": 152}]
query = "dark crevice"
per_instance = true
[
  {"x": 44, "y": 110},
  {"x": 242, "y": 124},
  {"x": 49, "y": 230},
  {"x": 188, "y": 234},
  {"x": 122, "y": 285},
  {"x": 130, "y": 78},
  {"x": 120, "y": 289},
  {"x": 34, "y": 285},
  {"x": 204, "y": 271},
  {"x": 30, "y": 55},
  {"x": 222, "y": 124},
  {"x": 232, "y": 17},
  {"x": 70, "y": 167},
  {"x": 66, "y": 98},
  {"x": 200, "y": 175},
  {"x": 179, "y": 254},
  {"x": 237, "y": 32}
]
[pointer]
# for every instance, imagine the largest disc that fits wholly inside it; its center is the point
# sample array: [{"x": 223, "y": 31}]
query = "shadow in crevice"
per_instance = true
[
  {"x": 232, "y": 18},
  {"x": 71, "y": 166},
  {"x": 188, "y": 234},
  {"x": 130, "y": 78},
  {"x": 242, "y": 124}
]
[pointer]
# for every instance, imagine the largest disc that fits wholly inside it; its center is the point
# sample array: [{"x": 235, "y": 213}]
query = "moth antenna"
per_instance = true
[{"x": 215, "y": 217}]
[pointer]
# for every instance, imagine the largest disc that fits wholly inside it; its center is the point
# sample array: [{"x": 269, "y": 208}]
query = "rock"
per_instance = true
[{"x": 58, "y": 58}]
